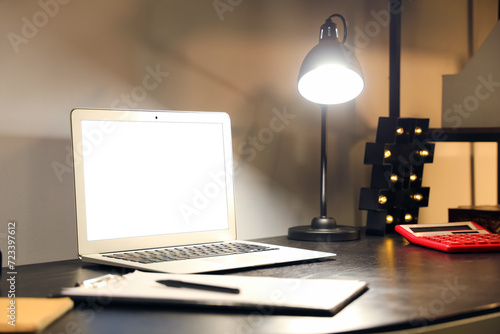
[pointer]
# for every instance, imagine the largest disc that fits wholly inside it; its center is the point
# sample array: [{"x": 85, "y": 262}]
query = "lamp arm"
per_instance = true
[{"x": 344, "y": 24}]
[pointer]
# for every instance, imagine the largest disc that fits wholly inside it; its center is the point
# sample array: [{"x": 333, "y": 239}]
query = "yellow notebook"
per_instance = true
[{"x": 31, "y": 314}]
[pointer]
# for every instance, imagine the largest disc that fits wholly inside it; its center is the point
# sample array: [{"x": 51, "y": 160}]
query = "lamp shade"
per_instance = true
[{"x": 330, "y": 73}]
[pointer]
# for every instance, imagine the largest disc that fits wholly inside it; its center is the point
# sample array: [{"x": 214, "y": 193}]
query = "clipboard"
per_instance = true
[{"x": 318, "y": 297}]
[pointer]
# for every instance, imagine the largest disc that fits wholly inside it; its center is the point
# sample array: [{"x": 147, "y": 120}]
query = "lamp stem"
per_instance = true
[
  {"x": 323, "y": 160},
  {"x": 323, "y": 228}
]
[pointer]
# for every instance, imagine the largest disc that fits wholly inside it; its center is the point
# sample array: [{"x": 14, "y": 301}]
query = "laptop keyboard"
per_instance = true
[{"x": 189, "y": 252}]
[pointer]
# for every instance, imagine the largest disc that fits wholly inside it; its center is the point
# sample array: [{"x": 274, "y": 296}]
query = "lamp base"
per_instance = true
[{"x": 323, "y": 229}]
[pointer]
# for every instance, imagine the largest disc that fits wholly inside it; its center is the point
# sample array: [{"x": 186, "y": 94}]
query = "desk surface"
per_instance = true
[{"x": 409, "y": 286}]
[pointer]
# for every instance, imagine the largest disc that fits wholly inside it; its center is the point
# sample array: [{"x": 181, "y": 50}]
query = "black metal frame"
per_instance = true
[
  {"x": 469, "y": 135},
  {"x": 436, "y": 134}
]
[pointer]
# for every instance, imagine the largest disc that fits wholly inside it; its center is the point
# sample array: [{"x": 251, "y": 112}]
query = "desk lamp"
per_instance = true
[{"x": 330, "y": 74}]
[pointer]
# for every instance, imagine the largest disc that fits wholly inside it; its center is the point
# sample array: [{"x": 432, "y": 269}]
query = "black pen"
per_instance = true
[{"x": 181, "y": 284}]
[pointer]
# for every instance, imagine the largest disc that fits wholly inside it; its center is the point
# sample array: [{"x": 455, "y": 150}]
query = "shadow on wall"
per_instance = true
[
  {"x": 280, "y": 149},
  {"x": 38, "y": 199}
]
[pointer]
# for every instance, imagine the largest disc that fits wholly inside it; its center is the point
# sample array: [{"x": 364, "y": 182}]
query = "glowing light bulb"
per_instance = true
[
  {"x": 387, "y": 154},
  {"x": 330, "y": 84},
  {"x": 413, "y": 177},
  {"x": 400, "y": 131},
  {"x": 389, "y": 219},
  {"x": 382, "y": 199},
  {"x": 423, "y": 153},
  {"x": 408, "y": 218},
  {"x": 394, "y": 177},
  {"x": 418, "y": 197},
  {"x": 418, "y": 130}
]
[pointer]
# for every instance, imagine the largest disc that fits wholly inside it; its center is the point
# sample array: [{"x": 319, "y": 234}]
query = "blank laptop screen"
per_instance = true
[{"x": 153, "y": 178}]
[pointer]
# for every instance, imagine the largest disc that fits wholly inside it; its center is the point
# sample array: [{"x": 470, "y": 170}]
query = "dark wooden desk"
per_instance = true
[{"x": 409, "y": 286}]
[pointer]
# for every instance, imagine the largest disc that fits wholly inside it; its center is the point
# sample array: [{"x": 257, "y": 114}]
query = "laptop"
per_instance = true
[{"x": 154, "y": 191}]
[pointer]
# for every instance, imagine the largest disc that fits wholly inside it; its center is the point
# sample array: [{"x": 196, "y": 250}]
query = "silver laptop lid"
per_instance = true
[{"x": 146, "y": 179}]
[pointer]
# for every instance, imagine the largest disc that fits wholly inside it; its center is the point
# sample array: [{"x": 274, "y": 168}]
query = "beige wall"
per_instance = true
[{"x": 243, "y": 61}]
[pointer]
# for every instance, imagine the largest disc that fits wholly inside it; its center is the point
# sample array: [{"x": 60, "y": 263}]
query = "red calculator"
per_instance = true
[{"x": 451, "y": 237}]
